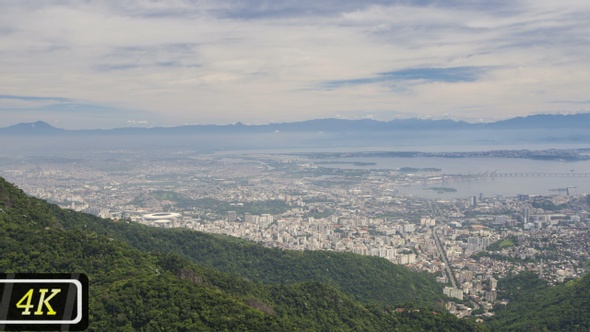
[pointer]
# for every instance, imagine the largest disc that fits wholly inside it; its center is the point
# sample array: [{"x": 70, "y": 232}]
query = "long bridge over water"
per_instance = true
[
  {"x": 539, "y": 174},
  {"x": 515, "y": 175}
]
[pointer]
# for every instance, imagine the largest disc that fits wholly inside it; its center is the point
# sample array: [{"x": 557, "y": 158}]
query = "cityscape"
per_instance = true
[
  {"x": 295, "y": 165},
  {"x": 297, "y": 202}
]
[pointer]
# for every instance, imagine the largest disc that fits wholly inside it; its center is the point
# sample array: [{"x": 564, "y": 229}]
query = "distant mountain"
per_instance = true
[
  {"x": 32, "y": 129},
  {"x": 314, "y": 134},
  {"x": 366, "y": 125},
  {"x": 541, "y": 121}
]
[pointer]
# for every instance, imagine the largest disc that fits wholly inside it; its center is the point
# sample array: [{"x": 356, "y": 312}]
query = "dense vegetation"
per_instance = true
[
  {"x": 503, "y": 244},
  {"x": 154, "y": 280},
  {"x": 217, "y": 206},
  {"x": 534, "y": 306},
  {"x": 547, "y": 205},
  {"x": 369, "y": 279}
]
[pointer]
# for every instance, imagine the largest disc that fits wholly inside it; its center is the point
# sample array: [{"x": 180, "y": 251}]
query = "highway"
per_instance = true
[
  {"x": 440, "y": 218},
  {"x": 443, "y": 256},
  {"x": 438, "y": 214}
]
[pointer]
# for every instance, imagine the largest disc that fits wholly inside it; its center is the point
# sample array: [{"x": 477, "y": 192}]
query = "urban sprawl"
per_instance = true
[{"x": 294, "y": 202}]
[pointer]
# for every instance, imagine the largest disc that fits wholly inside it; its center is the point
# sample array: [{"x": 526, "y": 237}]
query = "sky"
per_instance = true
[{"x": 122, "y": 63}]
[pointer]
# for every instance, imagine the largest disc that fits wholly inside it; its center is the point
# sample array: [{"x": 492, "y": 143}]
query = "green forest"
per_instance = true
[{"x": 535, "y": 306}]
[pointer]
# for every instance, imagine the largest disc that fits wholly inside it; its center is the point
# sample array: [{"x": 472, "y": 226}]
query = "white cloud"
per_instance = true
[{"x": 217, "y": 62}]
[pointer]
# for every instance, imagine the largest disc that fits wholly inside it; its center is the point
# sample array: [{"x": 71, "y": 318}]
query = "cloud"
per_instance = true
[
  {"x": 453, "y": 74},
  {"x": 68, "y": 111},
  {"x": 450, "y": 75},
  {"x": 575, "y": 102},
  {"x": 141, "y": 123},
  {"x": 33, "y": 98},
  {"x": 11, "y": 102},
  {"x": 226, "y": 61},
  {"x": 51, "y": 104}
]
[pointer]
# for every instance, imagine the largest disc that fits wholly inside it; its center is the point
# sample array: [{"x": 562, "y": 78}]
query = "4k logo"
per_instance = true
[{"x": 43, "y": 302}]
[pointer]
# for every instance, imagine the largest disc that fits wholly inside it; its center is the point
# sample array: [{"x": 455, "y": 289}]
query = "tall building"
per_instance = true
[
  {"x": 485, "y": 242},
  {"x": 500, "y": 219},
  {"x": 526, "y": 214},
  {"x": 251, "y": 218},
  {"x": 232, "y": 216},
  {"x": 453, "y": 292},
  {"x": 493, "y": 283},
  {"x": 406, "y": 259},
  {"x": 491, "y": 296},
  {"x": 477, "y": 243},
  {"x": 409, "y": 228},
  {"x": 427, "y": 221}
]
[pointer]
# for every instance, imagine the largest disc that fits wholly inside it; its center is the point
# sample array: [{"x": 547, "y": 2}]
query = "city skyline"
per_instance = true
[{"x": 110, "y": 64}]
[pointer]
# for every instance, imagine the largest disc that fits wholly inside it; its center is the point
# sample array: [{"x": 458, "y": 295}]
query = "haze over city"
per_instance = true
[{"x": 108, "y": 64}]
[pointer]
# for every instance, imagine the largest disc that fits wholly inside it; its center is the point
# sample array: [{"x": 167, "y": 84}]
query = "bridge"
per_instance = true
[
  {"x": 538, "y": 174},
  {"x": 446, "y": 177}
]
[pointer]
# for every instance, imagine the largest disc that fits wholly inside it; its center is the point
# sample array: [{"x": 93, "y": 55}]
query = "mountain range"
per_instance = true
[
  {"x": 531, "y": 132},
  {"x": 541, "y": 121}
]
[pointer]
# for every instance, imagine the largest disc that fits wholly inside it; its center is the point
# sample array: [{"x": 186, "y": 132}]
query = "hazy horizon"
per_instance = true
[{"x": 147, "y": 126}]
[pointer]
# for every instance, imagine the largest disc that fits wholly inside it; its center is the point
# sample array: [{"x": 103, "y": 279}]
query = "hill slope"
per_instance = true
[
  {"x": 134, "y": 289},
  {"x": 369, "y": 279},
  {"x": 534, "y": 306}
]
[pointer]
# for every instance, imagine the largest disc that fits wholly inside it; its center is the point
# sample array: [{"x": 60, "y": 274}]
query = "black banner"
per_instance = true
[{"x": 43, "y": 301}]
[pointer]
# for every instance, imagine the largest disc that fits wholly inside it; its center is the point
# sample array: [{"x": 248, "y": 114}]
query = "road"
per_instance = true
[{"x": 441, "y": 219}]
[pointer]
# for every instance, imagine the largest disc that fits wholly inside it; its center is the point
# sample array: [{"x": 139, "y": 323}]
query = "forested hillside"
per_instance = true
[
  {"x": 534, "y": 306},
  {"x": 152, "y": 279},
  {"x": 369, "y": 279}
]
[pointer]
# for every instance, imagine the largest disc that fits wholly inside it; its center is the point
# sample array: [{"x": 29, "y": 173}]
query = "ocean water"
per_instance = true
[{"x": 489, "y": 187}]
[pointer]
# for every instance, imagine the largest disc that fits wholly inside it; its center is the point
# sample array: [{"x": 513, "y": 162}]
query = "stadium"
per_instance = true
[{"x": 162, "y": 219}]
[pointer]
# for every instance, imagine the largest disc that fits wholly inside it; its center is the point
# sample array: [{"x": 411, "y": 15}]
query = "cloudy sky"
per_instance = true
[{"x": 106, "y": 64}]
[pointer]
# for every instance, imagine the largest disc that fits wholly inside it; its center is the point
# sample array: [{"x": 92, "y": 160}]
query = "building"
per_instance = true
[
  {"x": 162, "y": 219},
  {"x": 409, "y": 228},
  {"x": 251, "y": 218},
  {"x": 232, "y": 216},
  {"x": 526, "y": 215},
  {"x": 453, "y": 292},
  {"x": 493, "y": 283},
  {"x": 477, "y": 243},
  {"x": 491, "y": 296},
  {"x": 427, "y": 221},
  {"x": 405, "y": 259}
]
